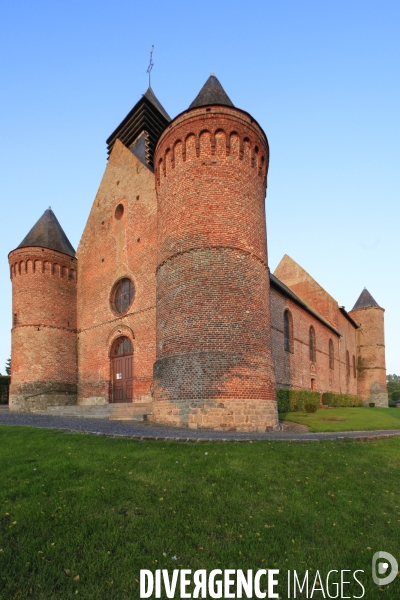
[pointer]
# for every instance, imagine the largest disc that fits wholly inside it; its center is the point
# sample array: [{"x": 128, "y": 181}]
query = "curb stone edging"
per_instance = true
[{"x": 149, "y": 432}]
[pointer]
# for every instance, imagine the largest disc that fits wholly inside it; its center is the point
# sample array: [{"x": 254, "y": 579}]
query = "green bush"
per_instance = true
[
  {"x": 331, "y": 399},
  {"x": 283, "y": 399},
  {"x": 395, "y": 395},
  {"x": 310, "y": 408},
  {"x": 296, "y": 400}
]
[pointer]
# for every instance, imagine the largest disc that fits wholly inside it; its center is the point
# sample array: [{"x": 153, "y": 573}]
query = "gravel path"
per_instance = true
[{"x": 152, "y": 431}]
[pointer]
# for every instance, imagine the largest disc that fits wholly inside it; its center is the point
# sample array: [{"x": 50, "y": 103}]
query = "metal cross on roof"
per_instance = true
[{"x": 151, "y": 64}]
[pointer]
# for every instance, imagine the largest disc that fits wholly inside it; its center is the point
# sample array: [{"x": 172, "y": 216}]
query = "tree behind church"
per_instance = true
[
  {"x": 393, "y": 387},
  {"x": 5, "y": 383}
]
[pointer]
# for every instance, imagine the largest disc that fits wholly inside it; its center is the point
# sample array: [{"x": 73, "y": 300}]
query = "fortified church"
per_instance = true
[{"x": 168, "y": 306}]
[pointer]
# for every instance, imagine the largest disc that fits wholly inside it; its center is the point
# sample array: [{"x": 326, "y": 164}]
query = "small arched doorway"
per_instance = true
[{"x": 122, "y": 370}]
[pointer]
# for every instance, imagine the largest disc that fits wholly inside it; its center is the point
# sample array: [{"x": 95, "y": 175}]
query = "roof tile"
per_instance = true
[
  {"x": 365, "y": 300},
  {"x": 48, "y": 233},
  {"x": 211, "y": 93}
]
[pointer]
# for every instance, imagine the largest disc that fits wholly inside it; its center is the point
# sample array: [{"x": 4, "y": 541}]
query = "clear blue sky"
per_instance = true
[{"x": 321, "y": 77}]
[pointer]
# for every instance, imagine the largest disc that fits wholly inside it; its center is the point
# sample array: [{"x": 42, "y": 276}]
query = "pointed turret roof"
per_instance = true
[
  {"x": 48, "y": 233},
  {"x": 212, "y": 92},
  {"x": 365, "y": 300}
]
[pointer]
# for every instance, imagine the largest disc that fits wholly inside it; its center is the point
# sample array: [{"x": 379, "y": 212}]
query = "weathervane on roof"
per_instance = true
[{"x": 151, "y": 64}]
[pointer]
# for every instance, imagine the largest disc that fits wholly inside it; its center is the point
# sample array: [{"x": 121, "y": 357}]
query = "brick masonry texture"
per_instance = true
[
  {"x": 365, "y": 344},
  {"x": 109, "y": 250},
  {"x": 304, "y": 286},
  {"x": 295, "y": 369},
  {"x": 214, "y": 366},
  {"x": 207, "y": 319},
  {"x": 44, "y": 352},
  {"x": 371, "y": 355}
]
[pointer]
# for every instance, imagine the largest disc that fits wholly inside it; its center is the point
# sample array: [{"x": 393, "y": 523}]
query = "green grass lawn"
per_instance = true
[
  {"x": 347, "y": 419},
  {"x": 80, "y": 515}
]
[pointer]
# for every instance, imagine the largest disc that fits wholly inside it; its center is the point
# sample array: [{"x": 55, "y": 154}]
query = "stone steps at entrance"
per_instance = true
[
  {"x": 131, "y": 411},
  {"x": 85, "y": 412}
]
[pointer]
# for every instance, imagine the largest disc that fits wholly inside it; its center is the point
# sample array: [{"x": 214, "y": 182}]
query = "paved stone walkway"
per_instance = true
[{"x": 152, "y": 431}]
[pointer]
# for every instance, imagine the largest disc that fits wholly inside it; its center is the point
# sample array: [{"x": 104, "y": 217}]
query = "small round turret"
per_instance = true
[
  {"x": 43, "y": 355},
  {"x": 371, "y": 368},
  {"x": 214, "y": 366}
]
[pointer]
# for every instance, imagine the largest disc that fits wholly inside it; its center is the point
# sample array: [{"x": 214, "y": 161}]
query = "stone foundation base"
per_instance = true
[
  {"x": 30, "y": 397},
  {"x": 377, "y": 394},
  {"x": 229, "y": 414},
  {"x": 102, "y": 401},
  {"x": 380, "y": 400},
  {"x": 145, "y": 398},
  {"x": 93, "y": 401}
]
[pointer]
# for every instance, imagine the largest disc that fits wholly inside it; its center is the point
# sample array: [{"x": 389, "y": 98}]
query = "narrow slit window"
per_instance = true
[
  {"x": 313, "y": 349},
  {"x": 288, "y": 331},
  {"x": 331, "y": 355},
  {"x": 347, "y": 364}
]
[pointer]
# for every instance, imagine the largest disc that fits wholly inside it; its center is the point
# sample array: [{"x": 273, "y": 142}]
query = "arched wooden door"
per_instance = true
[{"x": 122, "y": 370}]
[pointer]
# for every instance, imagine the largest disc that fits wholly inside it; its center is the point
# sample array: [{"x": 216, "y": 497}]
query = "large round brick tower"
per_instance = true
[
  {"x": 371, "y": 367},
  {"x": 43, "y": 350},
  {"x": 214, "y": 367}
]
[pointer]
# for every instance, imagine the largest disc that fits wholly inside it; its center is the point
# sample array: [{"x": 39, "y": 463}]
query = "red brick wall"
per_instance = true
[
  {"x": 110, "y": 249},
  {"x": 348, "y": 342},
  {"x": 43, "y": 356},
  {"x": 214, "y": 366},
  {"x": 295, "y": 369},
  {"x": 304, "y": 286},
  {"x": 371, "y": 355}
]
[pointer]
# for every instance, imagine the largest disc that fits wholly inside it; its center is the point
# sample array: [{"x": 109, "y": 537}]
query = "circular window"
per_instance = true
[
  {"x": 123, "y": 294},
  {"x": 119, "y": 211}
]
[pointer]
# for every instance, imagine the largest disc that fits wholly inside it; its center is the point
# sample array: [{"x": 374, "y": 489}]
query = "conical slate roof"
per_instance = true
[
  {"x": 212, "y": 92},
  {"x": 48, "y": 233},
  {"x": 365, "y": 300}
]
